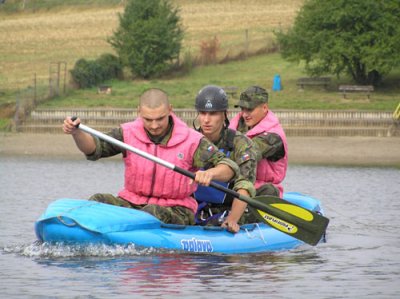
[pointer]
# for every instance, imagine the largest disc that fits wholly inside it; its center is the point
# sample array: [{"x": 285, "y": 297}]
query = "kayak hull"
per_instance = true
[{"x": 77, "y": 221}]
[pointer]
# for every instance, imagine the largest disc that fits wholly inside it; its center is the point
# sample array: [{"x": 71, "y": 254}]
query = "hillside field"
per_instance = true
[{"x": 31, "y": 40}]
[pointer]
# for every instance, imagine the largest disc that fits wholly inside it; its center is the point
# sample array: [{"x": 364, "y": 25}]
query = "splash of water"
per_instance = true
[{"x": 39, "y": 249}]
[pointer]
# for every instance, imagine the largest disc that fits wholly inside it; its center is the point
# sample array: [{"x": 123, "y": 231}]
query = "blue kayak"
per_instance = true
[{"x": 77, "y": 221}]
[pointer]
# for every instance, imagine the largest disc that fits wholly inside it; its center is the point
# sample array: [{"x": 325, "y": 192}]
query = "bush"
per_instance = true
[
  {"x": 111, "y": 66},
  {"x": 88, "y": 73},
  {"x": 209, "y": 50},
  {"x": 81, "y": 74}
]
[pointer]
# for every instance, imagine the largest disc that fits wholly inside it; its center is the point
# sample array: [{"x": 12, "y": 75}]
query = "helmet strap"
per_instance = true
[
  {"x": 226, "y": 120},
  {"x": 194, "y": 123}
]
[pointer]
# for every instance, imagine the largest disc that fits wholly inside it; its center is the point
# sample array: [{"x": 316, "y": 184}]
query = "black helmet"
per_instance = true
[{"x": 211, "y": 98}]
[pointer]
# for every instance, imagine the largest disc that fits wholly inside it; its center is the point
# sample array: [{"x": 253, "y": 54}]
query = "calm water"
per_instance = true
[{"x": 360, "y": 260}]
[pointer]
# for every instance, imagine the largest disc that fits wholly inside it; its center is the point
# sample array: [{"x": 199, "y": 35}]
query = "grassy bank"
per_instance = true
[
  {"x": 52, "y": 31},
  {"x": 258, "y": 70}
]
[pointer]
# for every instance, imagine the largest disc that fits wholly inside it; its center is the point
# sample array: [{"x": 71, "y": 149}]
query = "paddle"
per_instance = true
[{"x": 284, "y": 216}]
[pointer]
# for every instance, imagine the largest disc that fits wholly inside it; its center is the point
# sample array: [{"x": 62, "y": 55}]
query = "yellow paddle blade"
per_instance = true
[
  {"x": 300, "y": 212},
  {"x": 291, "y": 219},
  {"x": 278, "y": 223}
]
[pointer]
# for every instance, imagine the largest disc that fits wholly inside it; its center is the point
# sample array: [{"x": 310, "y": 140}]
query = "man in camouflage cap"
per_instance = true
[
  {"x": 263, "y": 127},
  {"x": 219, "y": 208},
  {"x": 149, "y": 186}
]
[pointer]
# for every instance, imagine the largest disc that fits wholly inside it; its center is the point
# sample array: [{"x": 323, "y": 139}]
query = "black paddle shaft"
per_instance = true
[{"x": 212, "y": 184}]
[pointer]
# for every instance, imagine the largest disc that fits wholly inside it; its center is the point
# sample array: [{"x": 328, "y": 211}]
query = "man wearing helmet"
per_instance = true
[
  {"x": 212, "y": 105},
  {"x": 263, "y": 127}
]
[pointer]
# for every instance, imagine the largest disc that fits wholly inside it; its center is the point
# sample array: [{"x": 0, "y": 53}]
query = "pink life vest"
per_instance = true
[
  {"x": 147, "y": 182},
  {"x": 267, "y": 171}
]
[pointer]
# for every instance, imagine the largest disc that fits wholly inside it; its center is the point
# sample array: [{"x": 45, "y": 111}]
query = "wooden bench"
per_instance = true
[
  {"x": 356, "y": 88},
  {"x": 317, "y": 81},
  {"x": 230, "y": 90}
]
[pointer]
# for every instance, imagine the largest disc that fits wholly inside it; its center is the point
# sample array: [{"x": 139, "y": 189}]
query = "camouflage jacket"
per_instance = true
[
  {"x": 243, "y": 153},
  {"x": 268, "y": 147}
]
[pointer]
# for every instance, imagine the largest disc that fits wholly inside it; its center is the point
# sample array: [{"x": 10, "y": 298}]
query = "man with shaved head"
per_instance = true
[{"x": 149, "y": 186}]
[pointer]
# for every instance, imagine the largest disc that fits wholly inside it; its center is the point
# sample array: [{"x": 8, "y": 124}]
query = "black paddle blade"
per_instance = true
[{"x": 291, "y": 219}]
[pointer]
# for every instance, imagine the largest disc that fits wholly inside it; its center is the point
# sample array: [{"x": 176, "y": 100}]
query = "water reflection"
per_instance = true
[
  {"x": 360, "y": 259},
  {"x": 170, "y": 273}
]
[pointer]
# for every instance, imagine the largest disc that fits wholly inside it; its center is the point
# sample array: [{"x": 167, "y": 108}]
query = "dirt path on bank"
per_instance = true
[{"x": 349, "y": 151}]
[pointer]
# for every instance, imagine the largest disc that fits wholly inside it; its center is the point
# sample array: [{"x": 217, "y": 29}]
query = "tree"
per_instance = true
[
  {"x": 356, "y": 37},
  {"x": 149, "y": 36}
]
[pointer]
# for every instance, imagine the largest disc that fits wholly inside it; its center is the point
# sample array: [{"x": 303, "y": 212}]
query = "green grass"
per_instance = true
[
  {"x": 16, "y": 6},
  {"x": 5, "y": 124},
  {"x": 258, "y": 70}
]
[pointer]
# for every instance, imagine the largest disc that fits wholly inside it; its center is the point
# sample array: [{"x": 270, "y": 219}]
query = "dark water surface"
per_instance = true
[{"x": 360, "y": 260}]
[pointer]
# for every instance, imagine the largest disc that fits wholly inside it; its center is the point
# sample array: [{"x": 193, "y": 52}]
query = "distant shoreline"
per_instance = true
[{"x": 339, "y": 151}]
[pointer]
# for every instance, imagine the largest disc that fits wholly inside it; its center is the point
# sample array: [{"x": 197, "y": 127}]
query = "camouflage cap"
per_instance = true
[{"x": 252, "y": 97}]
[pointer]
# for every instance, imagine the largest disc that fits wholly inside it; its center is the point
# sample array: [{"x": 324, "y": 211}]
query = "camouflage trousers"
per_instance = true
[
  {"x": 171, "y": 215},
  {"x": 247, "y": 217}
]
